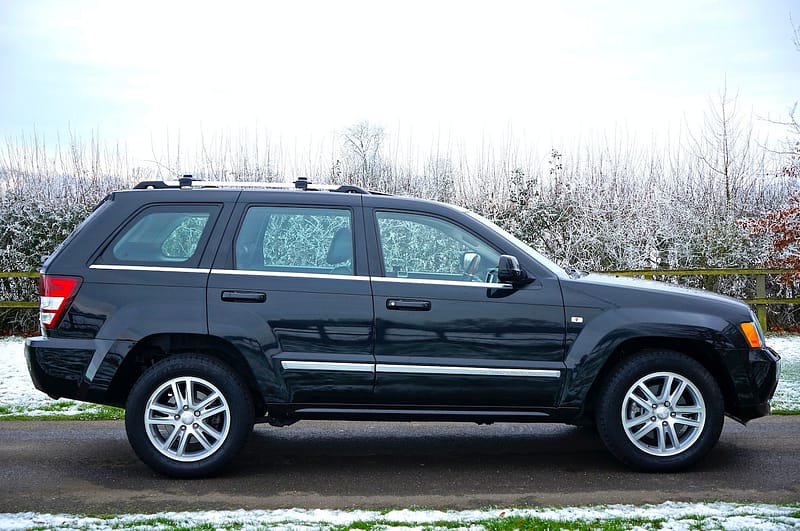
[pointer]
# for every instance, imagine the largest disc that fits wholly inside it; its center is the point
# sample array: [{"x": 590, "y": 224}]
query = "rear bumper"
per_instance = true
[
  {"x": 81, "y": 369},
  {"x": 58, "y": 366}
]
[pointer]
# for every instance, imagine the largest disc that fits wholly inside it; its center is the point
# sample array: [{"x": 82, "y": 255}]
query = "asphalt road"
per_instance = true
[{"x": 88, "y": 467}]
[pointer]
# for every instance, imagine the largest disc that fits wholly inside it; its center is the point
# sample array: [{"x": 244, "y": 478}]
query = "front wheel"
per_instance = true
[
  {"x": 188, "y": 416},
  {"x": 660, "y": 411}
]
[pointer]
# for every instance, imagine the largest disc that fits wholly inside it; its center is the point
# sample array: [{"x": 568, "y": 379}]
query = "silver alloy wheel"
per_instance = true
[
  {"x": 663, "y": 414},
  {"x": 187, "y": 419}
]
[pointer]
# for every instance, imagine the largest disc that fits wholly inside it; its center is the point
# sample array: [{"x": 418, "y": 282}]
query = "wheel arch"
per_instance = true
[
  {"x": 698, "y": 350},
  {"x": 157, "y": 347}
]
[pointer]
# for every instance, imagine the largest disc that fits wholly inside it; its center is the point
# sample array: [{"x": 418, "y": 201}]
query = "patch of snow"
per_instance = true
[
  {"x": 787, "y": 395},
  {"x": 18, "y": 395},
  {"x": 678, "y": 516}
]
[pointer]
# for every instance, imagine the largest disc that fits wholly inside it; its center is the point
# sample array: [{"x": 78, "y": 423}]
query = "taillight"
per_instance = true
[{"x": 55, "y": 294}]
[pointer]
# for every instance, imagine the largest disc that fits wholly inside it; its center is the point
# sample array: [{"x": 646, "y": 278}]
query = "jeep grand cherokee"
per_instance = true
[{"x": 203, "y": 308}]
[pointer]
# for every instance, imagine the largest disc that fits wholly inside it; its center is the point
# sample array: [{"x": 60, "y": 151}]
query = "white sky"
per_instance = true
[{"x": 459, "y": 71}]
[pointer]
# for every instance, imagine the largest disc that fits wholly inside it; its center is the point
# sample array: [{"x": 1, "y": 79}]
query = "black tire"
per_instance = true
[
  {"x": 678, "y": 427},
  {"x": 187, "y": 436}
]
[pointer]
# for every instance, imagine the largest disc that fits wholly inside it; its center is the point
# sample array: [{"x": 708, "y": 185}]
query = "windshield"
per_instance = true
[{"x": 533, "y": 253}]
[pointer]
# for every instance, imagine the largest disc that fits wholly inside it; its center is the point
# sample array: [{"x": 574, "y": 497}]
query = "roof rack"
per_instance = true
[{"x": 302, "y": 183}]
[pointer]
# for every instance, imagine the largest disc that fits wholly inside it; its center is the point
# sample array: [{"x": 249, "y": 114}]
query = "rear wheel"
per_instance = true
[
  {"x": 188, "y": 416},
  {"x": 660, "y": 411}
]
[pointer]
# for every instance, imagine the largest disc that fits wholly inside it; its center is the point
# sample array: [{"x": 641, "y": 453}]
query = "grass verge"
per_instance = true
[
  {"x": 741, "y": 517},
  {"x": 508, "y": 524},
  {"x": 62, "y": 410},
  {"x": 785, "y": 412}
]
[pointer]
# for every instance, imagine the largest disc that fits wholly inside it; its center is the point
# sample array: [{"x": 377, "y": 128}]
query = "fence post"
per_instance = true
[{"x": 761, "y": 293}]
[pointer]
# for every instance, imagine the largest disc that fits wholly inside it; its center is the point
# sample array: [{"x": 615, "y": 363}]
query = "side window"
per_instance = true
[
  {"x": 419, "y": 246},
  {"x": 163, "y": 235},
  {"x": 296, "y": 240}
]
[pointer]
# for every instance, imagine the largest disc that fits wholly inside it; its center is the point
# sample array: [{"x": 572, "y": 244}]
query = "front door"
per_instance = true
[{"x": 447, "y": 333}]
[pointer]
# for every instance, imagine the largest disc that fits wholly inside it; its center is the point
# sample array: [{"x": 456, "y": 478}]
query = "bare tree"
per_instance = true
[
  {"x": 790, "y": 150},
  {"x": 361, "y": 147},
  {"x": 792, "y": 169},
  {"x": 726, "y": 151}
]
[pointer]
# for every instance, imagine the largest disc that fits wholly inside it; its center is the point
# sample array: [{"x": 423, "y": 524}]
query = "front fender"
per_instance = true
[{"x": 591, "y": 346}]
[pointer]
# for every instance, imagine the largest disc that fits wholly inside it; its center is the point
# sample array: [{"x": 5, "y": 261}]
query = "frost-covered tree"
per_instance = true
[{"x": 362, "y": 161}]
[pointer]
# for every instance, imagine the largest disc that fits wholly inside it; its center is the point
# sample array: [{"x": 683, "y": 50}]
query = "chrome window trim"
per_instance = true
[
  {"x": 425, "y": 281},
  {"x": 467, "y": 371},
  {"x": 285, "y": 274},
  {"x": 160, "y": 269},
  {"x": 327, "y": 366},
  {"x": 466, "y": 284}
]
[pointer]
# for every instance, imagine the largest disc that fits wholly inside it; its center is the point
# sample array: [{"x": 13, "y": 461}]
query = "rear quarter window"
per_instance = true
[{"x": 163, "y": 235}]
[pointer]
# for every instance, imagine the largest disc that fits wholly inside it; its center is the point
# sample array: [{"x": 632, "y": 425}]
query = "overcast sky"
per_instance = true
[{"x": 458, "y": 70}]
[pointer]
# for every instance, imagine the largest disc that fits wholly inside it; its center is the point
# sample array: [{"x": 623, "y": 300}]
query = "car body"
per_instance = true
[{"x": 204, "y": 307}]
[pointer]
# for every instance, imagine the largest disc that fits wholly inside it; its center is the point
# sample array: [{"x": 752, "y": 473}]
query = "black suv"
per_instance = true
[{"x": 203, "y": 308}]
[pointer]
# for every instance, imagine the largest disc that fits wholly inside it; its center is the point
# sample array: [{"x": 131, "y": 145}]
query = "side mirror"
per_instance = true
[{"x": 508, "y": 271}]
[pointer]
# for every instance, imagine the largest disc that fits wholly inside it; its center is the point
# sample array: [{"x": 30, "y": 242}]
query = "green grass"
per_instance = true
[
  {"x": 534, "y": 523},
  {"x": 515, "y": 523},
  {"x": 525, "y": 520},
  {"x": 495, "y": 524},
  {"x": 166, "y": 523},
  {"x": 56, "y": 411}
]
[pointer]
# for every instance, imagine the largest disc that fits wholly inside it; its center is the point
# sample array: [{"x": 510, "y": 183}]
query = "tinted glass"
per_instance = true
[
  {"x": 418, "y": 246},
  {"x": 163, "y": 235},
  {"x": 296, "y": 240}
]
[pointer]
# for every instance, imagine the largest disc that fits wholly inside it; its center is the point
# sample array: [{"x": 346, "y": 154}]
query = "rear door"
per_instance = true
[{"x": 291, "y": 291}]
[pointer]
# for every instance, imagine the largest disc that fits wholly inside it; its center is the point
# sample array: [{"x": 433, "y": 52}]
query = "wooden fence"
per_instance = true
[
  {"x": 19, "y": 274},
  {"x": 761, "y": 301}
]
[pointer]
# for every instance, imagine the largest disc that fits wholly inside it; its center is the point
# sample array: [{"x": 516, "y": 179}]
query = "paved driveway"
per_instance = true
[{"x": 88, "y": 467}]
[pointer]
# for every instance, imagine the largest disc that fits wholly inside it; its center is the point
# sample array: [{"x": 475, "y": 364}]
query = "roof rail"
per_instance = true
[{"x": 302, "y": 183}]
